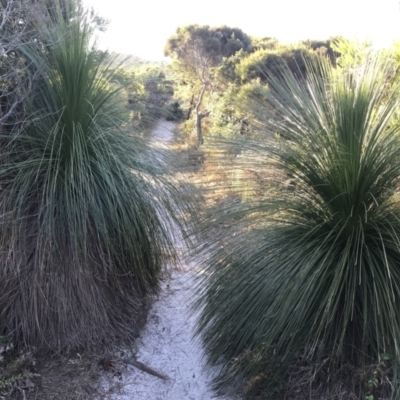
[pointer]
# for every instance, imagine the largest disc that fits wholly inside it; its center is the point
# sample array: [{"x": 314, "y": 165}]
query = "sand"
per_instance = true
[{"x": 166, "y": 344}]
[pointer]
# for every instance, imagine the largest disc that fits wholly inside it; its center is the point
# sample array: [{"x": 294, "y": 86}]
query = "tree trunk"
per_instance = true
[
  {"x": 198, "y": 130},
  {"x": 200, "y": 116},
  {"x": 190, "y": 107}
]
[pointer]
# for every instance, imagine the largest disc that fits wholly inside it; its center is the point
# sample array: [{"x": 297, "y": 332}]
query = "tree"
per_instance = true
[{"x": 196, "y": 50}]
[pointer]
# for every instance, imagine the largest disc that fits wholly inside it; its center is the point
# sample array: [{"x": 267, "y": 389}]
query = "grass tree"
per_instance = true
[
  {"x": 84, "y": 211},
  {"x": 312, "y": 275}
]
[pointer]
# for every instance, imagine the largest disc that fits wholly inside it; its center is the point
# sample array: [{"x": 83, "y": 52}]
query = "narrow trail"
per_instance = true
[{"x": 166, "y": 343}]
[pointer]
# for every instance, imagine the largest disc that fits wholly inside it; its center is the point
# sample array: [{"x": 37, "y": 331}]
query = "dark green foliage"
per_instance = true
[
  {"x": 312, "y": 274},
  {"x": 265, "y": 62},
  {"x": 148, "y": 91},
  {"x": 84, "y": 213},
  {"x": 174, "y": 112},
  {"x": 214, "y": 43}
]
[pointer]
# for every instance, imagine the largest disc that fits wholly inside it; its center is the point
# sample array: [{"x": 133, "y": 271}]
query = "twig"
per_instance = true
[{"x": 145, "y": 368}]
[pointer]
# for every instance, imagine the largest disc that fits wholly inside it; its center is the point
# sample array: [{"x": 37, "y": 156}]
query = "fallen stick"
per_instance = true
[{"x": 145, "y": 368}]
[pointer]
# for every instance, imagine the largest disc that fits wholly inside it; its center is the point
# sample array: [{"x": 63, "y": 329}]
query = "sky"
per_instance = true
[{"x": 142, "y": 27}]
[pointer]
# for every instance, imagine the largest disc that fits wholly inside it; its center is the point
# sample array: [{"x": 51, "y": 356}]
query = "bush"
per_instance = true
[
  {"x": 312, "y": 275},
  {"x": 84, "y": 213},
  {"x": 174, "y": 112}
]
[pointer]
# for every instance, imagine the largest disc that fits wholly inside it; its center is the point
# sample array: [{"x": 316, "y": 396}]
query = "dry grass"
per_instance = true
[
  {"x": 43, "y": 375},
  {"x": 308, "y": 380}
]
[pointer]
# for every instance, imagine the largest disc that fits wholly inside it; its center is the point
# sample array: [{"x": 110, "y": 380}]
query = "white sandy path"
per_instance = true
[{"x": 166, "y": 343}]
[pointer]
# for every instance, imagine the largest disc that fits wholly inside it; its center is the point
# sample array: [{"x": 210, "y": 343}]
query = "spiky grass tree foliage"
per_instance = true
[
  {"x": 313, "y": 270},
  {"x": 84, "y": 215}
]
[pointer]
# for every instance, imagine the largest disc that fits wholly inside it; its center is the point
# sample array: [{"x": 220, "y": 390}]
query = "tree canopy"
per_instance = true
[{"x": 211, "y": 44}]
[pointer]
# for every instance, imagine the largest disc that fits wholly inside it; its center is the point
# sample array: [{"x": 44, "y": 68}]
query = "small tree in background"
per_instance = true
[{"x": 196, "y": 51}]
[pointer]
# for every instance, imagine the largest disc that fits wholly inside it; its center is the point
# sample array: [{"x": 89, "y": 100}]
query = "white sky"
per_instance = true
[{"x": 141, "y": 27}]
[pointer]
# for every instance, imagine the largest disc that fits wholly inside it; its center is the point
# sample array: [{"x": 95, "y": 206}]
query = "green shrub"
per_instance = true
[
  {"x": 84, "y": 211},
  {"x": 174, "y": 112},
  {"x": 312, "y": 273}
]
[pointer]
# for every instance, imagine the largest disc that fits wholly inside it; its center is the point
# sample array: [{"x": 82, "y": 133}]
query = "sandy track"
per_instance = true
[{"x": 166, "y": 344}]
